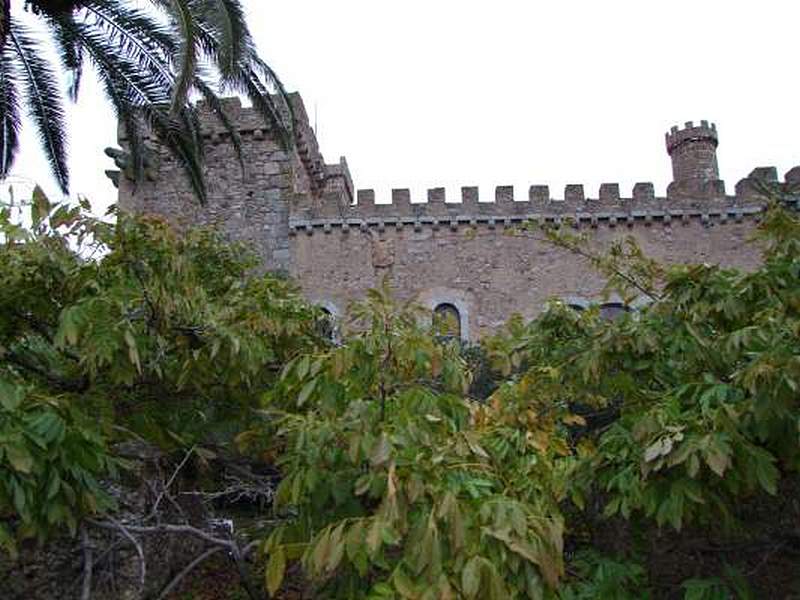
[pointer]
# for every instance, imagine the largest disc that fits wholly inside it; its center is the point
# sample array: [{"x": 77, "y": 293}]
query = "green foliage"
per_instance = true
[
  {"x": 704, "y": 381},
  {"x": 51, "y": 458},
  {"x": 396, "y": 482},
  {"x": 397, "y": 486},
  {"x": 112, "y": 331},
  {"x": 595, "y": 576},
  {"x": 731, "y": 585}
]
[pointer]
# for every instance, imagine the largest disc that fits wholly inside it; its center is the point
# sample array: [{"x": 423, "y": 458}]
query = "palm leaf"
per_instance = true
[
  {"x": 43, "y": 95},
  {"x": 5, "y": 19},
  {"x": 241, "y": 69},
  {"x": 137, "y": 95},
  {"x": 71, "y": 55},
  {"x": 218, "y": 110},
  {"x": 9, "y": 111},
  {"x": 136, "y": 35},
  {"x": 180, "y": 12},
  {"x": 134, "y": 94},
  {"x": 225, "y": 24}
]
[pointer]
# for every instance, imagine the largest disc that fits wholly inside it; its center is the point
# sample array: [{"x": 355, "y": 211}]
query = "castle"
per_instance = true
[{"x": 458, "y": 257}]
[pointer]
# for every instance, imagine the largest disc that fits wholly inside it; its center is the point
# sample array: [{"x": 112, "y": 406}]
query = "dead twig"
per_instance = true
[
  {"x": 127, "y": 534},
  {"x": 86, "y": 591},
  {"x": 188, "y": 569},
  {"x": 170, "y": 482}
]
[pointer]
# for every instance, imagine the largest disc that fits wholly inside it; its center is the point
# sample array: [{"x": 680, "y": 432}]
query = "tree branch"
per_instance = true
[
  {"x": 127, "y": 534},
  {"x": 60, "y": 383},
  {"x": 169, "y": 483},
  {"x": 86, "y": 591},
  {"x": 188, "y": 569}
]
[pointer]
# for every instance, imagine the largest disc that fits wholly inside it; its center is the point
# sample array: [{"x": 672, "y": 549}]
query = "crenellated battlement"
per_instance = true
[
  {"x": 705, "y": 131},
  {"x": 608, "y": 207},
  {"x": 502, "y": 201}
]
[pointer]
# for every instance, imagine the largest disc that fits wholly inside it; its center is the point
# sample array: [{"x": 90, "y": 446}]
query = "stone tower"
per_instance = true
[{"x": 693, "y": 151}]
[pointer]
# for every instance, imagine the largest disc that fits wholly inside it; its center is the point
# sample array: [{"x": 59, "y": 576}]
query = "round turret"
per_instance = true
[{"x": 694, "y": 152}]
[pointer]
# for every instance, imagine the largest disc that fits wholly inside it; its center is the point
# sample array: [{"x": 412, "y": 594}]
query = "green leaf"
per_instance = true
[
  {"x": 40, "y": 206},
  {"x": 403, "y": 584},
  {"x": 276, "y": 567},
  {"x": 354, "y": 539},
  {"x": 302, "y": 367},
  {"x": 305, "y": 392},
  {"x": 8, "y": 542},
  {"x": 19, "y": 457},
  {"x": 471, "y": 577},
  {"x": 11, "y": 395}
]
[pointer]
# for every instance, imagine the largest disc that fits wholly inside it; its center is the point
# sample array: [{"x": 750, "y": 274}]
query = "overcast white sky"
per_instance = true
[{"x": 443, "y": 92}]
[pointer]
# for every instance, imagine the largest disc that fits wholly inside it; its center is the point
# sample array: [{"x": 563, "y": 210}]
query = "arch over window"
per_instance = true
[
  {"x": 455, "y": 303},
  {"x": 447, "y": 320},
  {"x": 611, "y": 311}
]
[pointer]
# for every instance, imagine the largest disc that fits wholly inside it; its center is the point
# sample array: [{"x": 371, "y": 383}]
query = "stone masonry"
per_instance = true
[{"x": 301, "y": 216}]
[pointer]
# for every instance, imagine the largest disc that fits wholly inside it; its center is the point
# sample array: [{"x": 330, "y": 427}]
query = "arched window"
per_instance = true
[
  {"x": 610, "y": 311},
  {"x": 327, "y": 325},
  {"x": 447, "y": 320}
]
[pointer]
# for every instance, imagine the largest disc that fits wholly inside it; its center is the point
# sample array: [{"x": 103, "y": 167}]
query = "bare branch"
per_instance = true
[
  {"x": 86, "y": 592},
  {"x": 166, "y": 528},
  {"x": 188, "y": 569},
  {"x": 127, "y": 534},
  {"x": 170, "y": 481}
]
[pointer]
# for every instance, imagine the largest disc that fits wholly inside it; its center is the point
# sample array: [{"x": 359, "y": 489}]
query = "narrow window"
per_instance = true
[
  {"x": 447, "y": 321},
  {"x": 327, "y": 325}
]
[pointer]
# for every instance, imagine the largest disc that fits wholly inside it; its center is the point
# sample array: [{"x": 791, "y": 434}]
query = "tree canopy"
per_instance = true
[{"x": 604, "y": 439}]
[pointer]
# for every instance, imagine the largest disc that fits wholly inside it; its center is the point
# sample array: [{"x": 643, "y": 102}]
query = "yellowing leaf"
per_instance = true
[
  {"x": 381, "y": 451},
  {"x": 276, "y": 567},
  {"x": 19, "y": 457},
  {"x": 471, "y": 577},
  {"x": 374, "y": 537},
  {"x": 717, "y": 460},
  {"x": 305, "y": 392},
  {"x": 575, "y": 420}
]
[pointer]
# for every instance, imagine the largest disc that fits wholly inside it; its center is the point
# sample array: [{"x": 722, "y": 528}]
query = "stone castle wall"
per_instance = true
[{"x": 468, "y": 252}]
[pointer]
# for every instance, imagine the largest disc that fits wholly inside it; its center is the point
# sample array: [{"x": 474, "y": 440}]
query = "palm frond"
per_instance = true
[
  {"x": 9, "y": 111},
  {"x": 183, "y": 19},
  {"x": 43, "y": 95},
  {"x": 71, "y": 55},
  {"x": 263, "y": 102},
  {"x": 136, "y": 95},
  {"x": 5, "y": 19},
  {"x": 218, "y": 110},
  {"x": 225, "y": 23},
  {"x": 241, "y": 68},
  {"x": 136, "y": 35}
]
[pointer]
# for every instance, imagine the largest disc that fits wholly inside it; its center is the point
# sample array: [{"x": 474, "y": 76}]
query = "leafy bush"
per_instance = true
[
  {"x": 111, "y": 332},
  {"x": 392, "y": 487},
  {"x": 51, "y": 460},
  {"x": 395, "y": 480}
]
